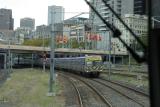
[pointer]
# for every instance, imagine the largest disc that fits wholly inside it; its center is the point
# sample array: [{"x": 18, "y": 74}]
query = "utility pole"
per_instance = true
[
  {"x": 32, "y": 60},
  {"x": 85, "y": 40},
  {"x": 9, "y": 61},
  {"x": 52, "y": 75},
  {"x": 44, "y": 56},
  {"x": 129, "y": 63},
  {"x": 109, "y": 55},
  {"x": 114, "y": 58}
]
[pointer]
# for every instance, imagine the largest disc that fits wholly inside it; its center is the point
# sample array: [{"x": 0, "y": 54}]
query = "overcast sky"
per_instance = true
[{"x": 38, "y": 9}]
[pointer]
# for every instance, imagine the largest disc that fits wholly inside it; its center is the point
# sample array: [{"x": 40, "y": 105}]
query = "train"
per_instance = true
[{"x": 89, "y": 66}]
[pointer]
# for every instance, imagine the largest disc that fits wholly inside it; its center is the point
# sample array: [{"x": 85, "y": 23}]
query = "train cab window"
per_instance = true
[
  {"x": 89, "y": 63},
  {"x": 97, "y": 63}
]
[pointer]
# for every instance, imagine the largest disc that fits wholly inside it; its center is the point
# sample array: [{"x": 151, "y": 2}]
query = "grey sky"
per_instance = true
[{"x": 38, "y": 9}]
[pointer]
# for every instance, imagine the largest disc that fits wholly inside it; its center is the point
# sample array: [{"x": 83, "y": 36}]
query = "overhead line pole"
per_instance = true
[{"x": 52, "y": 75}]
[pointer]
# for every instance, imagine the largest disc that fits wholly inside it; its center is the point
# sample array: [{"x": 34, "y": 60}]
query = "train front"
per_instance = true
[{"x": 93, "y": 65}]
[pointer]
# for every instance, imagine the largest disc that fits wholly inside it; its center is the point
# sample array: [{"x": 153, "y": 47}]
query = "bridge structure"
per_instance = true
[
  {"x": 11, "y": 51},
  {"x": 34, "y": 49}
]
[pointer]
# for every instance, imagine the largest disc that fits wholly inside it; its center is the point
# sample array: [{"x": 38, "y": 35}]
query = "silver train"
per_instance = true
[{"x": 89, "y": 66}]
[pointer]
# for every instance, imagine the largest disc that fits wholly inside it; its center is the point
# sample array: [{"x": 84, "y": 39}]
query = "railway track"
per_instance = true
[
  {"x": 116, "y": 98},
  {"x": 90, "y": 96},
  {"x": 73, "y": 97},
  {"x": 142, "y": 92},
  {"x": 126, "y": 70},
  {"x": 130, "y": 93},
  {"x": 115, "y": 95}
]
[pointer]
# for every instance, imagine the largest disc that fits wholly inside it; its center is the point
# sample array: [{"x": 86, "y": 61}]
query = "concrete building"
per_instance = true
[
  {"x": 43, "y": 31},
  {"x": 77, "y": 32},
  {"x": 6, "y": 20},
  {"x": 138, "y": 23},
  {"x": 23, "y": 33},
  {"x": 7, "y": 36},
  {"x": 76, "y": 29},
  {"x": 19, "y": 36},
  {"x": 140, "y": 7},
  {"x": 55, "y": 14},
  {"x": 27, "y": 23},
  {"x": 121, "y": 7}
]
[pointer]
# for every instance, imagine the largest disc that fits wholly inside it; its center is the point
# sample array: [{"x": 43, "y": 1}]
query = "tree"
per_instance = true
[
  {"x": 37, "y": 42},
  {"x": 74, "y": 43}
]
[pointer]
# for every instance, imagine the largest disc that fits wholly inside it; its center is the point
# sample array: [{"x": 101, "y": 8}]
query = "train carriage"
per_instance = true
[{"x": 90, "y": 66}]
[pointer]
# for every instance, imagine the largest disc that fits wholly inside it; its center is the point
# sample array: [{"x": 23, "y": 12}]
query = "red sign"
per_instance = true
[
  {"x": 61, "y": 39},
  {"x": 95, "y": 37}
]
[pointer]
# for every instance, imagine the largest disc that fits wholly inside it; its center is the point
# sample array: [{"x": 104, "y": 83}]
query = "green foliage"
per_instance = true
[
  {"x": 74, "y": 43},
  {"x": 28, "y": 88},
  {"x": 36, "y": 42}
]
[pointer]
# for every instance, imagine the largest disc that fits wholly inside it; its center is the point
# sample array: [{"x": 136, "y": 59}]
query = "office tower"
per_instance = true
[
  {"x": 55, "y": 14},
  {"x": 138, "y": 24},
  {"x": 140, "y": 7},
  {"x": 27, "y": 23},
  {"x": 6, "y": 20},
  {"x": 121, "y": 7}
]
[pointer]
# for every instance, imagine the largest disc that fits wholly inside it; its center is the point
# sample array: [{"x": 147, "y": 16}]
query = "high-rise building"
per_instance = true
[
  {"x": 6, "y": 20},
  {"x": 140, "y": 7},
  {"x": 138, "y": 23},
  {"x": 27, "y": 23},
  {"x": 55, "y": 14},
  {"x": 43, "y": 31},
  {"x": 121, "y": 7}
]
